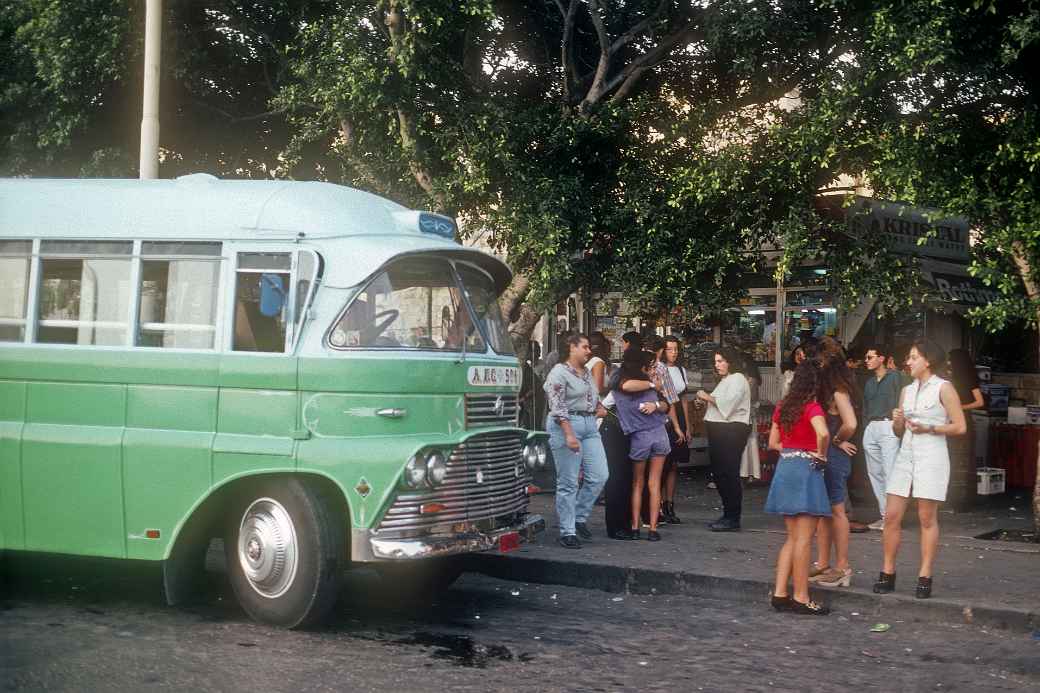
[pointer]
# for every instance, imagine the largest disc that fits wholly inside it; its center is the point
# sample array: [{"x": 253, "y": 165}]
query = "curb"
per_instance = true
[{"x": 611, "y": 578}]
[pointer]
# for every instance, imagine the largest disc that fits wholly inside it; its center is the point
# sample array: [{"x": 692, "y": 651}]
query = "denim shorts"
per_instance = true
[{"x": 652, "y": 442}]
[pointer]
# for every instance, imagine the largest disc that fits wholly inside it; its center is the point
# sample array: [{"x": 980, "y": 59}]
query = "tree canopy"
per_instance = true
[{"x": 652, "y": 146}]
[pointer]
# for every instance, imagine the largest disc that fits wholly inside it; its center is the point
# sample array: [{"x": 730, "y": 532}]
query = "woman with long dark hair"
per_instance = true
[
  {"x": 728, "y": 421},
  {"x": 618, "y": 490},
  {"x": 929, "y": 411},
  {"x": 798, "y": 492},
  {"x": 750, "y": 463},
  {"x": 679, "y": 438},
  {"x": 965, "y": 379},
  {"x": 835, "y": 391},
  {"x": 599, "y": 364},
  {"x": 793, "y": 361},
  {"x": 642, "y": 414}
]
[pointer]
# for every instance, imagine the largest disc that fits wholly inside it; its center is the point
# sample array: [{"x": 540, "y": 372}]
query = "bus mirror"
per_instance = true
[{"x": 272, "y": 294}]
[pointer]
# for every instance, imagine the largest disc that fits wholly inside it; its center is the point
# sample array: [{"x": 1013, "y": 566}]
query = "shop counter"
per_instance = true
[{"x": 1014, "y": 448}]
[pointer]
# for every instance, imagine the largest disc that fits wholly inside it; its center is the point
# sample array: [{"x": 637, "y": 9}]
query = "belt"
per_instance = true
[
  {"x": 879, "y": 418},
  {"x": 583, "y": 413}
]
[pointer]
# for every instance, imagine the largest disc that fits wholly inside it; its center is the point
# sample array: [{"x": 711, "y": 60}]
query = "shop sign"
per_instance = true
[
  {"x": 902, "y": 229},
  {"x": 964, "y": 290}
]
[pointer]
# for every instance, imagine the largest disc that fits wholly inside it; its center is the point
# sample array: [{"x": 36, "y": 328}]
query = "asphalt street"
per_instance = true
[{"x": 104, "y": 628}]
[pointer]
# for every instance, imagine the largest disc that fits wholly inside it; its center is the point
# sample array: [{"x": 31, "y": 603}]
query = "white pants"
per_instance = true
[{"x": 880, "y": 448}]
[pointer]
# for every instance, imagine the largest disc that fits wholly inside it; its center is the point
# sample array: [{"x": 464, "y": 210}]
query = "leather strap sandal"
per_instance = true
[{"x": 809, "y": 608}]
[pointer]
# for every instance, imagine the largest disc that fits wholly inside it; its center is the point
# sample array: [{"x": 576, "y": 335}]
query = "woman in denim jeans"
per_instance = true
[{"x": 574, "y": 438}]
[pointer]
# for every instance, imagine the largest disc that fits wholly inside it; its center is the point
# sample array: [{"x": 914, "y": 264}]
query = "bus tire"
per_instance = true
[{"x": 285, "y": 551}]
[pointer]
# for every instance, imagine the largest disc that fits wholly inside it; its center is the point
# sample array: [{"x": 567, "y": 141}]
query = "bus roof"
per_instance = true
[
  {"x": 196, "y": 207},
  {"x": 202, "y": 207}
]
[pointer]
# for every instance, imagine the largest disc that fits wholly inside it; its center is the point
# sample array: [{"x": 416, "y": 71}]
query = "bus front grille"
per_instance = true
[
  {"x": 492, "y": 410},
  {"x": 486, "y": 479}
]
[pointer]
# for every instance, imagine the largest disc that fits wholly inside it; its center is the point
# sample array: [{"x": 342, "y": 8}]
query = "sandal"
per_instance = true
[
  {"x": 809, "y": 608},
  {"x": 835, "y": 578},
  {"x": 815, "y": 571}
]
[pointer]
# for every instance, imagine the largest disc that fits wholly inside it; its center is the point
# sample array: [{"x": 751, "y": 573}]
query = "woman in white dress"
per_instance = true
[
  {"x": 929, "y": 411},
  {"x": 750, "y": 463}
]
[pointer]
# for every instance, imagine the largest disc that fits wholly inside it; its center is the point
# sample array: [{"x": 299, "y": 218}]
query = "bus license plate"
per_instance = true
[{"x": 509, "y": 541}]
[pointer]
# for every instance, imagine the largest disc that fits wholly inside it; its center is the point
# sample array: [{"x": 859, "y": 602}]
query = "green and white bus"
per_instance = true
[{"x": 316, "y": 375}]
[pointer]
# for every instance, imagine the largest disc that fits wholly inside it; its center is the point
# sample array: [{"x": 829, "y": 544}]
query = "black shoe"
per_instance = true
[
  {"x": 668, "y": 513},
  {"x": 781, "y": 603},
  {"x": 924, "y": 588},
  {"x": 886, "y": 583},
  {"x": 583, "y": 531},
  {"x": 569, "y": 541},
  {"x": 622, "y": 534},
  {"x": 725, "y": 524},
  {"x": 652, "y": 535},
  {"x": 634, "y": 534},
  {"x": 809, "y": 608}
]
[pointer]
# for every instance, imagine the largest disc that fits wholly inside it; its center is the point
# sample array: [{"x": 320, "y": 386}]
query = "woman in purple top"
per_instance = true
[{"x": 642, "y": 414}]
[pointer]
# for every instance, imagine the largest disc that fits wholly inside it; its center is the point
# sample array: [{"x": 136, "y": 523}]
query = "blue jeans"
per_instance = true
[{"x": 573, "y": 505}]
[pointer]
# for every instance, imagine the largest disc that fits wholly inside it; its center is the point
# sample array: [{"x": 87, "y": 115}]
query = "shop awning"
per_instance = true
[{"x": 953, "y": 289}]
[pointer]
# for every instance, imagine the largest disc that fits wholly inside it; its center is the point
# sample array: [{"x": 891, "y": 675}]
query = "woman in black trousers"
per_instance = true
[
  {"x": 728, "y": 421},
  {"x": 618, "y": 491}
]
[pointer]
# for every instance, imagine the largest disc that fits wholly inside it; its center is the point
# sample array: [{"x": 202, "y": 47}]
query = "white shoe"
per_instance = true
[{"x": 879, "y": 525}]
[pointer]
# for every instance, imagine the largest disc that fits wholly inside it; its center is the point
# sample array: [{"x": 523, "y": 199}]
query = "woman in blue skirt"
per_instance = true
[{"x": 798, "y": 492}]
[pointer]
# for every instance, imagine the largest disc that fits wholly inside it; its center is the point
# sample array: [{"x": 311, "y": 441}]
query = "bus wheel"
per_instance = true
[
  {"x": 422, "y": 580},
  {"x": 285, "y": 552}
]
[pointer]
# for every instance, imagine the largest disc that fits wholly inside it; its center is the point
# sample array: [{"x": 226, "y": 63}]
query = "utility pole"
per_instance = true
[{"x": 149, "y": 161}]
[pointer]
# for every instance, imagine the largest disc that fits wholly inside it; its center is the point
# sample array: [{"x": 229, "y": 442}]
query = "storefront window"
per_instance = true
[{"x": 753, "y": 332}]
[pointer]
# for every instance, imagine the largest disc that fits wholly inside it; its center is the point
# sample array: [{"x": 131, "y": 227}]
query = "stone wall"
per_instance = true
[{"x": 1025, "y": 387}]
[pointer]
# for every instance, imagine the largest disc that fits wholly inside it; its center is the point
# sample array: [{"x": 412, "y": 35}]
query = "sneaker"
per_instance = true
[
  {"x": 569, "y": 541},
  {"x": 879, "y": 525},
  {"x": 583, "y": 531}
]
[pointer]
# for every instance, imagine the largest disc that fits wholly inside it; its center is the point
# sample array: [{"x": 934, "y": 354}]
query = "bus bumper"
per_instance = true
[{"x": 366, "y": 546}]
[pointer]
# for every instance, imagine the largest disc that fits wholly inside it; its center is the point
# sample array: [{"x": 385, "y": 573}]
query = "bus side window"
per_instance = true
[
  {"x": 261, "y": 298},
  {"x": 14, "y": 289}
]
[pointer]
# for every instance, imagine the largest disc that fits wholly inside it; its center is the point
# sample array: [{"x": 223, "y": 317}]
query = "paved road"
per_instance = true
[{"x": 97, "y": 628}]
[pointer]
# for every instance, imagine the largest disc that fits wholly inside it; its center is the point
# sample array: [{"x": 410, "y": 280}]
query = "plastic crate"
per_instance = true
[{"x": 991, "y": 480}]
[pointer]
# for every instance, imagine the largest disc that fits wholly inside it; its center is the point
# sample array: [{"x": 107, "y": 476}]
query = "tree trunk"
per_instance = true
[
  {"x": 1036, "y": 500},
  {"x": 1025, "y": 271}
]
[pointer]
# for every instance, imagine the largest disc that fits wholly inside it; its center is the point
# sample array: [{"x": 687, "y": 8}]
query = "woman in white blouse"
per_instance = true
[{"x": 728, "y": 421}]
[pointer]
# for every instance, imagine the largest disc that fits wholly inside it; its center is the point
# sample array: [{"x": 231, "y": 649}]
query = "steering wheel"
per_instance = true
[{"x": 378, "y": 328}]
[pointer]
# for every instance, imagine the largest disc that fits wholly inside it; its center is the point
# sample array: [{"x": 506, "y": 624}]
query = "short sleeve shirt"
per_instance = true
[{"x": 802, "y": 435}]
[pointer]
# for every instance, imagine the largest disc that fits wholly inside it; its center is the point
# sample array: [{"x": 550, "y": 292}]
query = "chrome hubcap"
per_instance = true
[{"x": 267, "y": 548}]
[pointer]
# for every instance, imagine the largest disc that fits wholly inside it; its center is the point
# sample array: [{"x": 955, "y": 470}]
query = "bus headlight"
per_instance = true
[
  {"x": 436, "y": 469},
  {"x": 415, "y": 472},
  {"x": 543, "y": 454},
  {"x": 535, "y": 455}
]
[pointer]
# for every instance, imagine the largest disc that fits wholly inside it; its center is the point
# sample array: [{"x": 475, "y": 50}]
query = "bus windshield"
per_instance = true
[
  {"x": 481, "y": 293},
  {"x": 413, "y": 304}
]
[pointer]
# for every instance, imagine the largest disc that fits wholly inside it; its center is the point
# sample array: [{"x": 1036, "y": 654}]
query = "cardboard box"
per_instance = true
[
  {"x": 1033, "y": 414},
  {"x": 1016, "y": 416},
  {"x": 991, "y": 480}
]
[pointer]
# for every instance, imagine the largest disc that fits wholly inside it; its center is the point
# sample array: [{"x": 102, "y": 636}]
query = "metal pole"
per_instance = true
[{"x": 149, "y": 161}]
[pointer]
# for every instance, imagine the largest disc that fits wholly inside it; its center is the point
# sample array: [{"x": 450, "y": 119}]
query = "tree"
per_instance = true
[
  {"x": 562, "y": 130},
  {"x": 71, "y": 100},
  {"x": 939, "y": 108}
]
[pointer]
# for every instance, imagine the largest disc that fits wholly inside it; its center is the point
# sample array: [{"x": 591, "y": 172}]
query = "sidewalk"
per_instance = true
[{"x": 989, "y": 583}]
